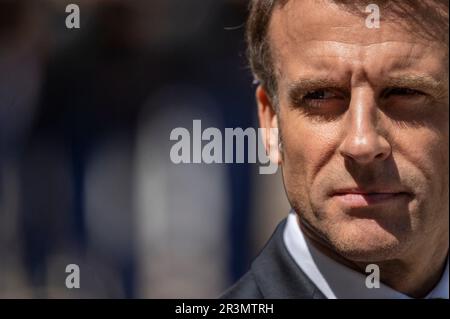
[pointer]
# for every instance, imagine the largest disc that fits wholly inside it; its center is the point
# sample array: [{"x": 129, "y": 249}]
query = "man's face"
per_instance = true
[{"x": 363, "y": 115}]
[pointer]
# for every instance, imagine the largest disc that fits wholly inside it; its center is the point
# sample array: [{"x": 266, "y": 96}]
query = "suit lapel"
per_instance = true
[{"x": 278, "y": 276}]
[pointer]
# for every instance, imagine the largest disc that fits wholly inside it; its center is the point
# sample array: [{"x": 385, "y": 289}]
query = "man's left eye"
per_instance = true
[{"x": 399, "y": 91}]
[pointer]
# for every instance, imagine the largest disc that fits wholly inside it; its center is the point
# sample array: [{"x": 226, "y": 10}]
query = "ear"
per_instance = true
[{"x": 268, "y": 120}]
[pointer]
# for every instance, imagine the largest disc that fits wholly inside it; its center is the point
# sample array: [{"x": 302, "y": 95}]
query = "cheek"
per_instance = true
[
  {"x": 427, "y": 151},
  {"x": 423, "y": 162},
  {"x": 307, "y": 149}
]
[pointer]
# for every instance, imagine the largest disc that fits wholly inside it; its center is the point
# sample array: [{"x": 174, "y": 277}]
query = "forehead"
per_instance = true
[{"x": 319, "y": 35}]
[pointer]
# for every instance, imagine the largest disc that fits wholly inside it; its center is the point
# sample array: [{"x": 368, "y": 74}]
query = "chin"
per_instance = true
[{"x": 365, "y": 240}]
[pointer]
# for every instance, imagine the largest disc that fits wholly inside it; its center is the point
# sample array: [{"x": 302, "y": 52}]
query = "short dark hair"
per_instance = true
[
  {"x": 258, "y": 49},
  {"x": 432, "y": 21}
]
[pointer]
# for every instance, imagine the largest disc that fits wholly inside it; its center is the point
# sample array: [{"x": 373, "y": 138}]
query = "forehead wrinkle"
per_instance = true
[
  {"x": 290, "y": 37},
  {"x": 293, "y": 23},
  {"x": 338, "y": 56}
]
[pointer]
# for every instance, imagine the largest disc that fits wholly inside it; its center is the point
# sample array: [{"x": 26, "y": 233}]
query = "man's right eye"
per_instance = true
[
  {"x": 322, "y": 104},
  {"x": 322, "y": 98},
  {"x": 319, "y": 95}
]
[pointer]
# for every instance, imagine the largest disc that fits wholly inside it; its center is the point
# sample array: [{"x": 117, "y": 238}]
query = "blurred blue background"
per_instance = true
[{"x": 85, "y": 172}]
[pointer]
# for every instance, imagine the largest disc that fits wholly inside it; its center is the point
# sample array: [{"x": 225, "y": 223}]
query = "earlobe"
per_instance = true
[
  {"x": 274, "y": 150},
  {"x": 268, "y": 121}
]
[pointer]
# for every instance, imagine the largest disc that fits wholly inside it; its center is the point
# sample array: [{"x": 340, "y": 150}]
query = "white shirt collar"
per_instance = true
[{"x": 337, "y": 281}]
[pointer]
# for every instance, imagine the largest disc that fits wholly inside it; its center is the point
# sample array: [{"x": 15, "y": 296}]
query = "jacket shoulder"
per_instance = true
[
  {"x": 245, "y": 288},
  {"x": 274, "y": 275}
]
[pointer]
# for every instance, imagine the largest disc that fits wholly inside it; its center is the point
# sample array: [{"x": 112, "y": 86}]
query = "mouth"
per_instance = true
[{"x": 360, "y": 198}]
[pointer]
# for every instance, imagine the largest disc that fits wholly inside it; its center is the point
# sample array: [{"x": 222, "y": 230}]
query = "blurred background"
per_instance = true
[{"x": 85, "y": 172}]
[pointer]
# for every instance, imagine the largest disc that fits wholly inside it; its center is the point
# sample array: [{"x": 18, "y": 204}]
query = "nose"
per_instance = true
[{"x": 363, "y": 143}]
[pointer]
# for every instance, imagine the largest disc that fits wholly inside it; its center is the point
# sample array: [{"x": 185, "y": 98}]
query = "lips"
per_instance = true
[{"x": 356, "y": 197}]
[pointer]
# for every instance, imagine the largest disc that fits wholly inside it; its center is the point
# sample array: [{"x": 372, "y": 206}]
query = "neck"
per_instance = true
[{"x": 414, "y": 276}]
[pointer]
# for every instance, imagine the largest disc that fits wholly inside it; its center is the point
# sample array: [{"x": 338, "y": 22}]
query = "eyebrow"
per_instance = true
[{"x": 420, "y": 82}]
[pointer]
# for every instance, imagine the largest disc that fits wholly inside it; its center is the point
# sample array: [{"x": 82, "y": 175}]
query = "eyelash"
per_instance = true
[
  {"x": 312, "y": 101},
  {"x": 315, "y": 92},
  {"x": 401, "y": 91}
]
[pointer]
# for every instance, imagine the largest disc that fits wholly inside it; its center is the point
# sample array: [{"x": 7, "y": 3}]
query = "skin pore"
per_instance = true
[{"x": 363, "y": 117}]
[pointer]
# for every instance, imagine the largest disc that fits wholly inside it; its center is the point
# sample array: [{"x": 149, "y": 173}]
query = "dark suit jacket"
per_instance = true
[{"x": 274, "y": 274}]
